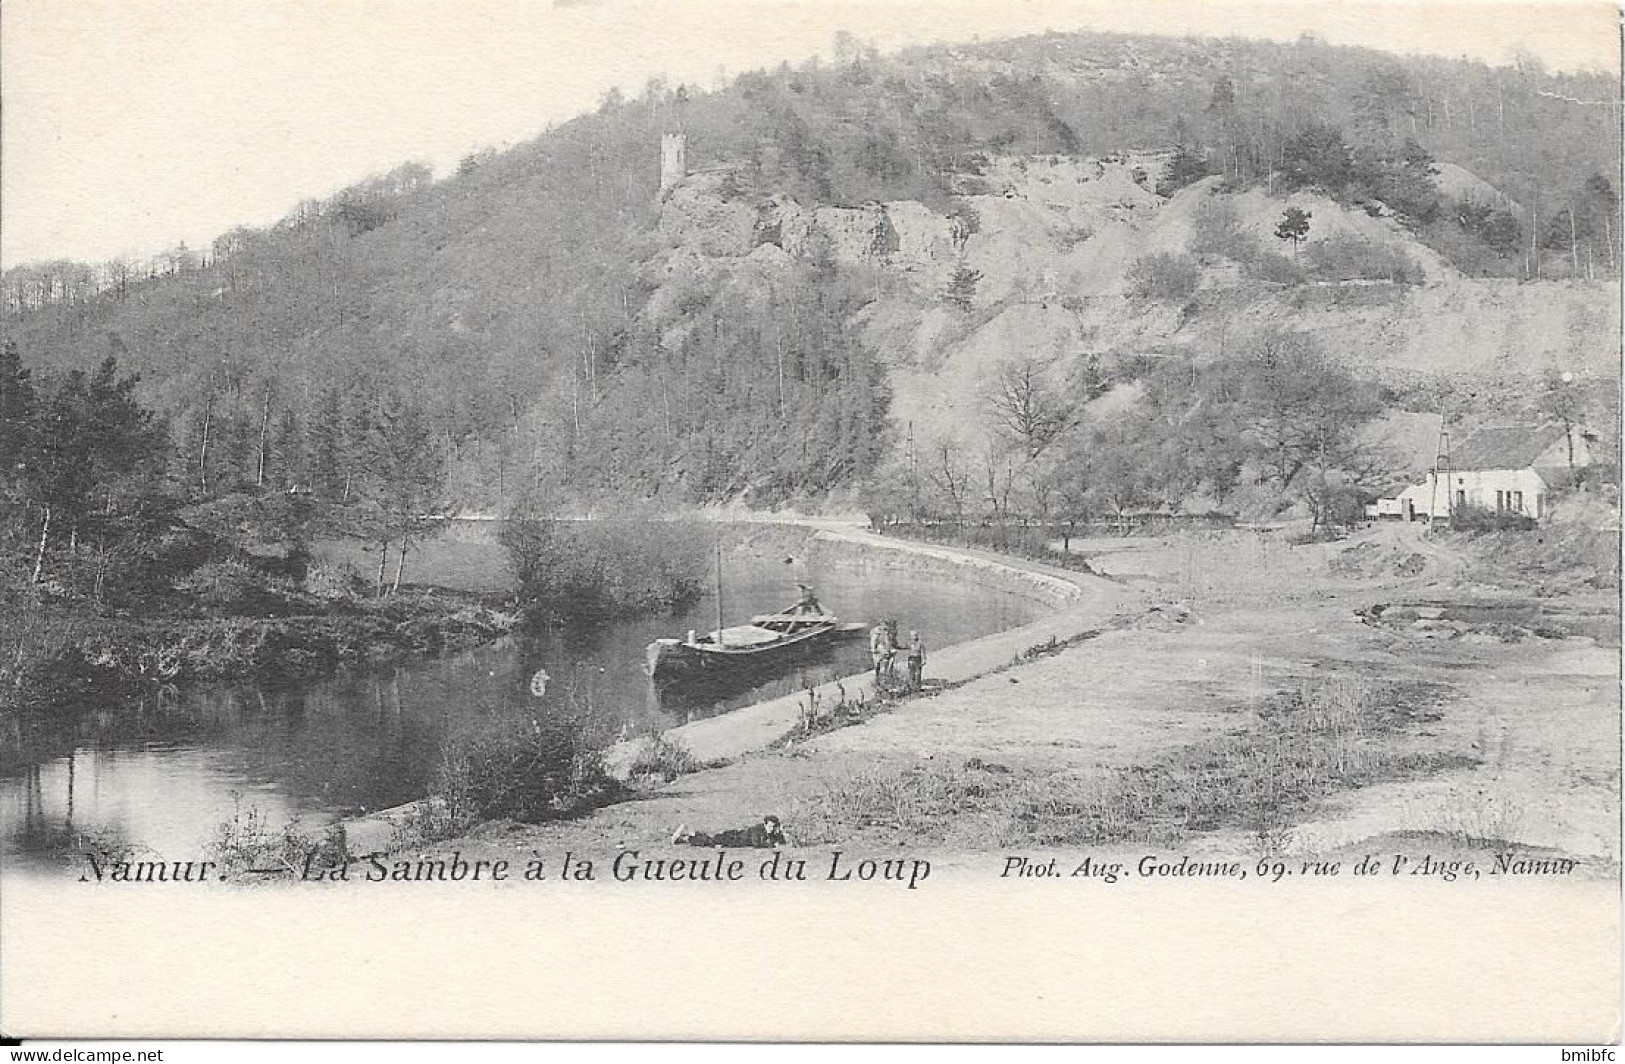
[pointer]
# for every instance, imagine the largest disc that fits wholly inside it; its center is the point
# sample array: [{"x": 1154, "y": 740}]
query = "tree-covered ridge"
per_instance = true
[
  {"x": 511, "y": 301},
  {"x": 804, "y": 404},
  {"x": 99, "y": 504}
]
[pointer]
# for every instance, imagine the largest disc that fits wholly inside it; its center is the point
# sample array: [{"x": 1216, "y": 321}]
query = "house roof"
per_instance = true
[
  {"x": 1560, "y": 477},
  {"x": 1504, "y": 446},
  {"x": 1389, "y": 489},
  {"x": 1408, "y": 440}
]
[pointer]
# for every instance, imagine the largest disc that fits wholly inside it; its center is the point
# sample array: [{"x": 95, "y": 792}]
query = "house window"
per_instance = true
[
  {"x": 1500, "y": 501},
  {"x": 1517, "y": 501},
  {"x": 1461, "y": 500}
]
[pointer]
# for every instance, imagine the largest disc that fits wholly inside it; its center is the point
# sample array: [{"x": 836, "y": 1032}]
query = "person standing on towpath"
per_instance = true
[
  {"x": 916, "y": 661},
  {"x": 882, "y": 649}
]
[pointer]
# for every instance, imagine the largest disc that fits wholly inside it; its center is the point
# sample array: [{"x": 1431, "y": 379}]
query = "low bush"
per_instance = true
[
  {"x": 816, "y": 715},
  {"x": 1482, "y": 819},
  {"x": 55, "y": 659},
  {"x": 1216, "y": 229},
  {"x": 511, "y": 763},
  {"x": 1482, "y": 519},
  {"x": 1163, "y": 277},
  {"x": 234, "y": 587},
  {"x": 1472, "y": 255},
  {"x": 251, "y": 840},
  {"x": 332, "y": 581},
  {"x": 1072, "y": 236},
  {"x": 663, "y": 759},
  {"x": 1352, "y": 258},
  {"x": 1275, "y": 268}
]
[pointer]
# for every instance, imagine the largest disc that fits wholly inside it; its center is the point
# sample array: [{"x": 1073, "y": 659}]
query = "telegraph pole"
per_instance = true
[{"x": 1441, "y": 468}]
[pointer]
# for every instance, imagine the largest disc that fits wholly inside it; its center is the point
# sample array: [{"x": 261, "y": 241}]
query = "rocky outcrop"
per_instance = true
[
  {"x": 699, "y": 215},
  {"x": 1044, "y": 249},
  {"x": 907, "y": 238}
]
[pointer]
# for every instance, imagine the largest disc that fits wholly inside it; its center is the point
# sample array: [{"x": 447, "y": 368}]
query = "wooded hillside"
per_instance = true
[{"x": 501, "y": 316}]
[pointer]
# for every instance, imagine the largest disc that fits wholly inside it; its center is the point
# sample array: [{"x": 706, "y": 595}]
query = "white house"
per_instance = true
[
  {"x": 1407, "y": 444},
  {"x": 1503, "y": 469}
]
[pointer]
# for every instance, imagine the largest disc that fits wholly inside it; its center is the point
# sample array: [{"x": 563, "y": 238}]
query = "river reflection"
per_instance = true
[{"x": 162, "y": 776}]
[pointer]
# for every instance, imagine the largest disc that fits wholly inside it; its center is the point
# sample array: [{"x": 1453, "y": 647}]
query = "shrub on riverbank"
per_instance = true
[
  {"x": 515, "y": 764},
  {"x": 235, "y": 587},
  {"x": 662, "y": 759},
  {"x": 34, "y": 635},
  {"x": 595, "y": 571},
  {"x": 250, "y": 840}
]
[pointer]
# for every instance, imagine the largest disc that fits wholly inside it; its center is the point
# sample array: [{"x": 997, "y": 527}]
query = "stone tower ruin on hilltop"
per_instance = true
[{"x": 673, "y": 160}]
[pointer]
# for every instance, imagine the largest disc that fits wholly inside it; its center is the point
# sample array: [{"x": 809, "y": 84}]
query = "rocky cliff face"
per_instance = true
[{"x": 1051, "y": 242}]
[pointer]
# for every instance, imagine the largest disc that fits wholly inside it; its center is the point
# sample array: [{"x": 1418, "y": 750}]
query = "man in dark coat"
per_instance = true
[
  {"x": 916, "y": 661},
  {"x": 769, "y": 834}
]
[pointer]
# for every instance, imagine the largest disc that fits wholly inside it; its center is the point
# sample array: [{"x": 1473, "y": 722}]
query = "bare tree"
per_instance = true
[
  {"x": 999, "y": 473},
  {"x": 1027, "y": 404},
  {"x": 1562, "y": 400},
  {"x": 265, "y": 428},
  {"x": 203, "y": 449},
  {"x": 950, "y": 476},
  {"x": 120, "y": 272}
]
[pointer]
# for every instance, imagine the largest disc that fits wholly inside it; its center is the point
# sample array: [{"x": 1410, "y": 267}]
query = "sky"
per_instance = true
[{"x": 129, "y": 125}]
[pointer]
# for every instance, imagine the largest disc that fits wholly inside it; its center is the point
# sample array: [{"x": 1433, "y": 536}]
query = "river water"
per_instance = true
[{"x": 161, "y": 776}]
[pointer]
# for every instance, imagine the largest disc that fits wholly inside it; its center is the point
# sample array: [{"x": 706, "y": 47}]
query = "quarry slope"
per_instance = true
[{"x": 1050, "y": 243}]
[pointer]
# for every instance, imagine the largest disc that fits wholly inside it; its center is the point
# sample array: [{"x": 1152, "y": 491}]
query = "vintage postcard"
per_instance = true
[{"x": 733, "y": 520}]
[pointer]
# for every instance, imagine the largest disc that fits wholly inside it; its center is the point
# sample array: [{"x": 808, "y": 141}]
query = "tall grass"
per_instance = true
[
  {"x": 1298, "y": 748},
  {"x": 251, "y": 840},
  {"x": 1481, "y": 817}
]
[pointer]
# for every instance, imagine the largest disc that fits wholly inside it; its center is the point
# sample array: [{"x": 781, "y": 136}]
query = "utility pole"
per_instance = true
[{"x": 1441, "y": 469}]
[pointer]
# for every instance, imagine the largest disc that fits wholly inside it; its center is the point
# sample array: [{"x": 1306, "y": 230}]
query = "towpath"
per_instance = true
[{"x": 1079, "y": 603}]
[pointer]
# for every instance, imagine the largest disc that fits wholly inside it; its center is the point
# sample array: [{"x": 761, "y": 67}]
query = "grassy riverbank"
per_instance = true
[
  {"x": 240, "y": 608},
  {"x": 67, "y": 659},
  {"x": 111, "y": 652}
]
